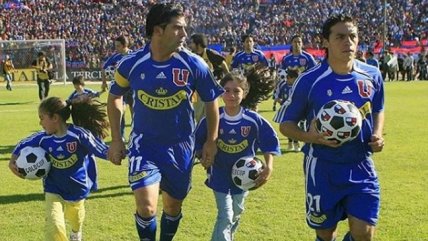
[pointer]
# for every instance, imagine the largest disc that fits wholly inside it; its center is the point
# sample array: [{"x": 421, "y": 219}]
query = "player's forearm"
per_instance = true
[
  {"x": 114, "y": 110},
  {"x": 212, "y": 117},
  {"x": 268, "y": 159},
  {"x": 291, "y": 130},
  {"x": 378, "y": 122}
]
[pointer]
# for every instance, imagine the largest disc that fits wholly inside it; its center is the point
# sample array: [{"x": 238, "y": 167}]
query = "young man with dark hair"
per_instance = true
[
  {"x": 162, "y": 76},
  {"x": 244, "y": 60},
  {"x": 341, "y": 181},
  {"x": 297, "y": 58}
]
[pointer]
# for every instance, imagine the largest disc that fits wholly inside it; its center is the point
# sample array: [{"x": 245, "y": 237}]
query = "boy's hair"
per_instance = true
[
  {"x": 333, "y": 20},
  {"x": 160, "y": 15},
  {"x": 292, "y": 73},
  {"x": 79, "y": 80},
  {"x": 257, "y": 84},
  {"x": 200, "y": 39},
  {"x": 122, "y": 40},
  {"x": 245, "y": 36},
  {"x": 41, "y": 53},
  {"x": 85, "y": 112},
  {"x": 296, "y": 36}
]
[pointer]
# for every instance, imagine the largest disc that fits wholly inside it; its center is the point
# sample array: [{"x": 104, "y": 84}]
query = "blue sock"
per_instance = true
[
  {"x": 146, "y": 228},
  {"x": 348, "y": 237},
  {"x": 169, "y": 226},
  {"x": 320, "y": 239}
]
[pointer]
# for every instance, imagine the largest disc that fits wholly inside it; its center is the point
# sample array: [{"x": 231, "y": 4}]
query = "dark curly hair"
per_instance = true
[
  {"x": 85, "y": 112},
  {"x": 258, "y": 84}
]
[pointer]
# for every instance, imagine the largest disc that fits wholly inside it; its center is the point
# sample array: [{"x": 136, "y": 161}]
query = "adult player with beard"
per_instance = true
[{"x": 162, "y": 77}]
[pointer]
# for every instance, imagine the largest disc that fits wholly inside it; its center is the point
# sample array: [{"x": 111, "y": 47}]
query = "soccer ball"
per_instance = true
[
  {"x": 33, "y": 163},
  {"x": 245, "y": 171},
  {"x": 282, "y": 74},
  {"x": 110, "y": 71},
  {"x": 340, "y": 119}
]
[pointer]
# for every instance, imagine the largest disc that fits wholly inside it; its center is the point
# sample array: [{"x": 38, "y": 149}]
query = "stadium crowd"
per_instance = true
[{"x": 89, "y": 27}]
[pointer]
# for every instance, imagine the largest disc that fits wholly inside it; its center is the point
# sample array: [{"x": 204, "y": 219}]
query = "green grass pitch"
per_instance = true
[{"x": 274, "y": 212}]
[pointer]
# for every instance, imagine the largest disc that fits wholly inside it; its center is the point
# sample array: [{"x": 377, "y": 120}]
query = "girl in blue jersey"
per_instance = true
[
  {"x": 241, "y": 133},
  {"x": 69, "y": 146},
  {"x": 81, "y": 92}
]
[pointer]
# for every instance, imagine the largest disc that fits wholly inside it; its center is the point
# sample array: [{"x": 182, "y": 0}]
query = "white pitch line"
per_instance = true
[{"x": 8, "y": 111}]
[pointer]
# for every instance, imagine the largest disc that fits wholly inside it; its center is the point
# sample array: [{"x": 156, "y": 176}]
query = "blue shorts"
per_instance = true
[
  {"x": 171, "y": 165},
  {"x": 334, "y": 190}
]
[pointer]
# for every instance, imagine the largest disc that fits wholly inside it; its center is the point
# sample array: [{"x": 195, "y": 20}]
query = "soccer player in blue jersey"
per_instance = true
[
  {"x": 163, "y": 76},
  {"x": 241, "y": 133},
  {"x": 121, "y": 44},
  {"x": 341, "y": 181},
  {"x": 67, "y": 184},
  {"x": 297, "y": 58},
  {"x": 281, "y": 94},
  {"x": 80, "y": 90},
  {"x": 244, "y": 60}
]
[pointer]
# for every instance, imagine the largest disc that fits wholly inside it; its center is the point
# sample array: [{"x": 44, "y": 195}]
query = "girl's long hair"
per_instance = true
[
  {"x": 258, "y": 84},
  {"x": 85, "y": 112}
]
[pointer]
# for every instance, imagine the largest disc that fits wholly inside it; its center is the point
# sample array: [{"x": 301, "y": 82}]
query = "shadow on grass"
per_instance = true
[
  {"x": 16, "y": 103},
  {"x": 20, "y": 198},
  {"x": 6, "y": 150},
  {"x": 98, "y": 194}
]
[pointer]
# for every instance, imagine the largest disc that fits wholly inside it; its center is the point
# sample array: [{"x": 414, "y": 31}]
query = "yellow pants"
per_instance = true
[{"x": 57, "y": 211}]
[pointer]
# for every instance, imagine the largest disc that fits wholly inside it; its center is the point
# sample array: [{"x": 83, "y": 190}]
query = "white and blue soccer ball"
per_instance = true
[
  {"x": 340, "y": 119},
  {"x": 33, "y": 163},
  {"x": 110, "y": 71},
  {"x": 282, "y": 75},
  {"x": 245, "y": 172}
]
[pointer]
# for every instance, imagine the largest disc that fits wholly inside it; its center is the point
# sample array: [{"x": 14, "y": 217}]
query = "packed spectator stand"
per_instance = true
[{"x": 89, "y": 27}]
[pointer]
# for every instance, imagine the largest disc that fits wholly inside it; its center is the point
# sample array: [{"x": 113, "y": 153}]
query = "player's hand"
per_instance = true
[
  {"x": 209, "y": 150},
  {"x": 116, "y": 152},
  {"x": 320, "y": 138},
  {"x": 14, "y": 168},
  {"x": 377, "y": 143},
  {"x": 263, "y": 176}
]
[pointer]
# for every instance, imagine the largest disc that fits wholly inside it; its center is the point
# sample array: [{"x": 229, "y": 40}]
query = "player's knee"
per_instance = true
[
  {"x": 146, "y": 211},
  {"x": 361, "y": 236}
]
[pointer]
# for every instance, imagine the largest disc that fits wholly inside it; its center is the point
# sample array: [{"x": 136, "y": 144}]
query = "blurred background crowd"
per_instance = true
[{"x": 89, "y": 27}]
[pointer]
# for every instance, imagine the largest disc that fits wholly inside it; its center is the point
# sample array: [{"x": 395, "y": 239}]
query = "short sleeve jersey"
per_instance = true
[
  {"x": 68, "y": 176},
  {"x": 319, "y": 85},
  {"x": 239, "y": 136},
  {"x": 300, "y": 62},
  {"x": 162, "y": 92}
]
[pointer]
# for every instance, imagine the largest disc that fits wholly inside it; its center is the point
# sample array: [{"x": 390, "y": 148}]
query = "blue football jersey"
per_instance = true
[
  {"x": 162, "y": 92},
  {"x": 114, "y": 60},
  {"x": 239, "y": 136},
  {"x": 301, "y": 62},
  {"x": 282, "y": 91},
  {"x": 244, "y": 61},
  {"x": 86, "y": 91},
  {"x": 68, "y": 154},
  {"x": 319, "y": 85}
]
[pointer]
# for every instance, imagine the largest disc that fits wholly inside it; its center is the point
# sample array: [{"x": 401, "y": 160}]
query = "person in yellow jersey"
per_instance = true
[
  {"x": 42, "y": 66},
  {"x": 215, "y": 61}
]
